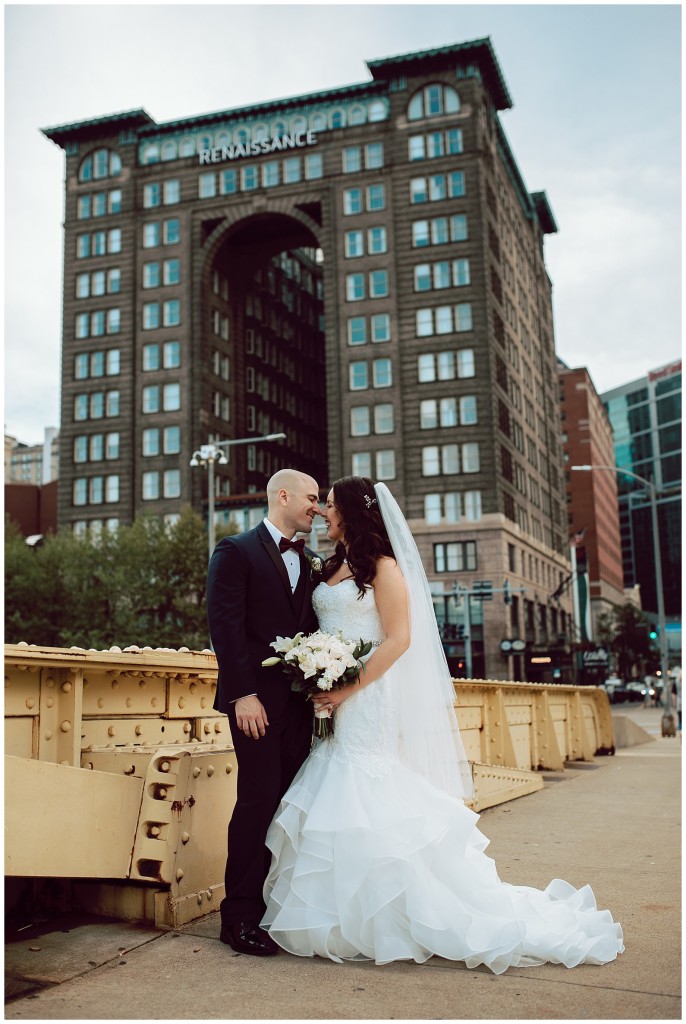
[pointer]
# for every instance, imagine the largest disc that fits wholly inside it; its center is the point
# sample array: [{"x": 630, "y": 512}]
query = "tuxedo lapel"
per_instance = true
[{"x": 273, "y": 552}]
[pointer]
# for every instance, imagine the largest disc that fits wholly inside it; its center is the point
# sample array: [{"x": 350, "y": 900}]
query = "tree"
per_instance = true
[
  {"x": 143, "y": 584},
  {"x": 626, "y": 632}
]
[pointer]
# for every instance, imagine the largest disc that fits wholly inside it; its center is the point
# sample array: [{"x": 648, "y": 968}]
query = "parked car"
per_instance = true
[{"x": 624, "y": 694}]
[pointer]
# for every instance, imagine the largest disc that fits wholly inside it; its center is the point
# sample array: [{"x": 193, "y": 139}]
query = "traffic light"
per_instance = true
[{"x": 653, "y": 634}]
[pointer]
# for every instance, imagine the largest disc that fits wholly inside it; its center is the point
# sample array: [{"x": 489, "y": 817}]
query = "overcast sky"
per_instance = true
[{"x": 596, "y": 124}]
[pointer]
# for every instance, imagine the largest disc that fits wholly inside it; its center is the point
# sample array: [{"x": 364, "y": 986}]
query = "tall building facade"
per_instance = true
[
  {"x": 379, "y": 241},
  {"x": 646, "y": 418},
  {"x": 592, "y": 504},
  {"x": 32, "y": 463}
]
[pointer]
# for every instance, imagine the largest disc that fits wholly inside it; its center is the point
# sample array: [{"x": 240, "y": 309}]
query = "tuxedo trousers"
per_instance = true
[{"x": 266, "y": 768}]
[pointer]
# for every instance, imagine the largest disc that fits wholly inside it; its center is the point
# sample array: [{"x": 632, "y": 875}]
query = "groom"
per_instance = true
[{"x": 259, "y": 587}]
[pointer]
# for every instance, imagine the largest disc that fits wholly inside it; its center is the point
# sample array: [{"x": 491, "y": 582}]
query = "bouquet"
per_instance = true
[{"x": 320, "y": 661}]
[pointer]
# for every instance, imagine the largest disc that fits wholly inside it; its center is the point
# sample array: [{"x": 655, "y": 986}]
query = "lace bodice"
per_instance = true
[{"x": 365, "y": 726}]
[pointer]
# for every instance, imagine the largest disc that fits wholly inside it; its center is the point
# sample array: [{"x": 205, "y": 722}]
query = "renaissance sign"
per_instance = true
[{"x": 278, "y": 143}]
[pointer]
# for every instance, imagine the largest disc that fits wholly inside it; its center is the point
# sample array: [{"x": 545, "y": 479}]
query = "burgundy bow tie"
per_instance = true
[{"x": 286, "y": 545}]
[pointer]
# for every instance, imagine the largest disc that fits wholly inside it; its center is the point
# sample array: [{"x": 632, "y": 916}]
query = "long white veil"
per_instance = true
[{"x": 429, "y": 735}]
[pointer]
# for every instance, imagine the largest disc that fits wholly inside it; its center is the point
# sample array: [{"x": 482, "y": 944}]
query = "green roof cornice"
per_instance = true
[
  {"x": 344, "y": 92},
  {"x": 479, "y": 52},
  {"x": 82, "y": 129}
]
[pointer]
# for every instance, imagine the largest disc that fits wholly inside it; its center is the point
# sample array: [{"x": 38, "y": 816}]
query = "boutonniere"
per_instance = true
[{"x": 316, "y": 564}]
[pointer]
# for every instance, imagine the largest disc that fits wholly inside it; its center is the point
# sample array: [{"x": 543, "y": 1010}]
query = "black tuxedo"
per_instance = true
[{"x": 249, "y": 604}]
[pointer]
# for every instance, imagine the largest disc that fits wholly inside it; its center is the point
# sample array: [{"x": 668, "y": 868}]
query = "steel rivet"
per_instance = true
[
  {"x": 111, "y": 731},
  {"x": 193, "y": 687},
  {"x": 196, "y": 772},
  {"x": 48, "y": 734},
  {"x": 179, "y": 874},
  {"x": 228, "y": 769},
  {"x": 66, "y": 687},
  {"x": 210, "y": 770},
  {"x": 165, "y": 766},
  {"x": 66, "y": 726},
  {"x": 217, "y": 727},
  {"x": 139, "y": 730},
  {"x": 153, "y": 702},
  {"x": 155, "y": 831},
  {"x": 50, "y": 702},
  {"x": 186, "y": 726},
  {"x": 101, "y": 702},
  {"x": 50, "y": 682},
  {"x": 182, "y": 702},
  {"x": 203, "y": 702},
  {"x": 115, "y": 684},
  {"x": 185, "y": 837},
  {"x": 129, "y": 702},
  {"x": 30, "y": 703},
  {"x": 206, "y": 727}
]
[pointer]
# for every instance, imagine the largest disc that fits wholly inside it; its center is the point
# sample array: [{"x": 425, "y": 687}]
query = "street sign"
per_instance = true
[{"x": 482, "y": 590}]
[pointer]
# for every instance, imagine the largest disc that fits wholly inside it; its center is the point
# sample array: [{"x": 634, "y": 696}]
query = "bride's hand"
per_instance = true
[{"x": 331, "y": 699}]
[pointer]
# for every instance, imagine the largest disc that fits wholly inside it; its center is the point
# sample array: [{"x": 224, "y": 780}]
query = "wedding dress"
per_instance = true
[{"x": 370, "y": 861}]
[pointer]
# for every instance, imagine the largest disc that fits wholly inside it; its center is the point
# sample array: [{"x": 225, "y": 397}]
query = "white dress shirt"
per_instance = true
[{"x": 291, "y": 557}]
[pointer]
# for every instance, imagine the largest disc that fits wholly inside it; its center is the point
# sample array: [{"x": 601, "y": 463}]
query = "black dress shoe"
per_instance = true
[{"x": 246, "y": 937}]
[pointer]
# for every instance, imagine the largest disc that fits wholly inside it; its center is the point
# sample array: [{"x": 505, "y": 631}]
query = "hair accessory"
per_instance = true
[{"x": 369, "y": 501}]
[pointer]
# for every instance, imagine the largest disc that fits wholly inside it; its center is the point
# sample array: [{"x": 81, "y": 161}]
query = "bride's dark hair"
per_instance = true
[{"x": 366, "y": 538}]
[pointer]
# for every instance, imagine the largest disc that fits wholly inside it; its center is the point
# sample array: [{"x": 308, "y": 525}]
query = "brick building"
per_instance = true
[{"x": 380, "y": 242}]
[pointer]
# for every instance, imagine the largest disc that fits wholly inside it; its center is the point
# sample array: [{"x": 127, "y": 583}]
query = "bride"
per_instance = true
[{"x": 374, "y": 854}]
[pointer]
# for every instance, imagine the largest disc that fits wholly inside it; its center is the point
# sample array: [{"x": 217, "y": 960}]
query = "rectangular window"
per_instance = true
[
  {"x": 426, "y": 368},
  {"x": 151, "y": 275},
  {"x": 362, "y": 464},
  {"x": 172, "y": 483},
  {"x": 470, "y": 458},
  {"x": 114, "y": 240},
  {"x": 151, "y": 398},
  {"x": 99, "y": 243},
  {"x": 151, "y": 441},
  {"x": 249, "y": 178},
  {"x": 420, "y": 233},
  {"x": 291, "y": 170},
  {"x": 270, "y": 174},
  {"x": 172, "y": 440},
  {"x": 443, "y": 319},
  {"x": 171, "y": 397},
  {"x": 113, "y": 362},
  {"x": 81, "y": 407},
  {"x": 352, "y": 159},
  {"x": 418, "y": 191},
  {"x": 376, "y": 240},
  {"x": 171, "y": 313},
  {"x": 354, "y": 244},
  {"x": 172, "y": 231},
  {"x": 448, "y": 412},
  {"x": 83, "y": 208},
  {"x": 383, "y": 418},
  {"x": 80, "y": 492},
  {"x": 381, "y": 327},
  {"x": 171, "y": 192},
  {"x": 97, "y": 405},
  {"x": 441, "y": 275},
  {"x": 373, "y": 155},
  {"x": 428, "y": 414},
  {"x": 431, "y": 463},
  {"x": 83, "y": 246},
  {"x": 453, "y": 138},
  {"x": 446, "y": 365},
  {"x": 463, "y": 316},
  {"x": 314, "y": 166},
  {"x": 98, "y": 283},
  {"x": 455, "y": 557},
  {"x": 458, "y": 228},
  {"x": 171, "y": 351},
  {"x": 437, "y": 189},
  {"x": 424, "y": 323},
  {"x": 151, "y": 357},
  {"x": 354, "y": 287},
  {"x": 112, "y": 445},
  {"x": 385, "y": 464},
  {"x": 422, "y": 277},
  {"x": 359, "y": 376},
  {"x": 152, "y": 195},
  {"x": 432, "y": 509},
  {"x": 439, "y": 231},
  {"x": 359, "y": 421},
  {"x": 460, "y": 273},
  {"x": 151, "y": 486},
  {"x": 112, "y": 403},
  {"x": 456, "y": 184},
  {"x": 151, "y": 235},
  {"x": 98, "y": 323},
  {"x": 172, "y": 272},
  {"x": 472, "y": 505},
  {"x": 82, "y": 286},
  {"x": 111, "y": 489},
  {"x": 382, "y": 373},
  {"x": 378, "y": 284},
  {"x": 450, "y": 459},
  {"x": 376, "y": 197},
  {"x": 434, "y": 145},
  {"x": 81, "y": 448},
  {"x": 468, "y": 414},
  {"x": 114, "y": 201},
  {"x": 81, "y": 366},
  {"x": 228, "y": 182},
  {"x": 416, "y": 147},
  {"x": 357, "y": 330},
  {"x": 114, "y": 281},
  {"x": 207, "y": 186},
  {"x": 98, "y": 364},
  {"x": 113, "y": 321},
  {"x": 151, "y": 315},
  {"x": 352, "y": 201}
]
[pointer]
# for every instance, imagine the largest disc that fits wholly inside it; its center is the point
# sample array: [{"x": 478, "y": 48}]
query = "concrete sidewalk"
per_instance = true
[{"x": 614, "y": 823}]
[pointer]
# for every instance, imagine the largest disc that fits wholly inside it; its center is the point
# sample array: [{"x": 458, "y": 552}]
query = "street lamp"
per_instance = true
[
  {"x": 209, "y": 454},
  {"x": 657, "y": 555}
]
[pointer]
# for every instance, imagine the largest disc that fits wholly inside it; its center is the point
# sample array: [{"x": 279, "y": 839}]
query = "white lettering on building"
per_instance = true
[{"x": 257, "y": 148}]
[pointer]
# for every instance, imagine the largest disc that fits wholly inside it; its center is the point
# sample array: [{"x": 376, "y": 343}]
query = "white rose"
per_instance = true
[{"x": 336, "y": 669}]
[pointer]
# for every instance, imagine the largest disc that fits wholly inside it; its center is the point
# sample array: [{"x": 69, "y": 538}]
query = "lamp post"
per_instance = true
[
  {"x": 209, "y": 454},
  {"x": 657, "y": 556}
]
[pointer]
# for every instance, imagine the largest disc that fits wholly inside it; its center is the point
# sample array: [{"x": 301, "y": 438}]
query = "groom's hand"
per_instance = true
[{"x": 251, "y": 717}]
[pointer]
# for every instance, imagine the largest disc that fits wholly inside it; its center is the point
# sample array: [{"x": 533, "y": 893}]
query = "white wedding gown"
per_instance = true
[{"x": 372, "y": 862}]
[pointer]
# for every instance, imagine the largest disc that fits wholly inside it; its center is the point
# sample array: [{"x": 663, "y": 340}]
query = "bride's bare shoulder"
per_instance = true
[{"x": 387, "y": 570}]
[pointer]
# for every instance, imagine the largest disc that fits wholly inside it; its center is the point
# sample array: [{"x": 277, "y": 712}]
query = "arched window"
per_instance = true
[
  {"x": 433, "y": 101},
  {"x": 222, "y": 138},
  {"x": 151, "y": 154},
  {"x": 279, "y": 129},
  {"x": 356, "y": 115},
  {"x": 259, "y": 132},
  {"x": 204, "y": 142},
  {"x": 318, "y": 123},
  {"x": 337, "y": 119},
  {"x": 187, "y": 147},
  {"x": 241, "y": 136},
  {"x": 103, "y": 163},
  {"x": 168, "y": 150},
  {"x": 299, "y": 124}
]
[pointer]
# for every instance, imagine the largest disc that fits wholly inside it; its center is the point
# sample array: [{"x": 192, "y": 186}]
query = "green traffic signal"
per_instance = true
[{"x": 653, "y": 634}]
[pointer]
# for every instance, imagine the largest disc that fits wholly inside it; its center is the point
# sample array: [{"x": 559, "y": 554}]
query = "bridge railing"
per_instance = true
[{"x": 120, "y": 776}]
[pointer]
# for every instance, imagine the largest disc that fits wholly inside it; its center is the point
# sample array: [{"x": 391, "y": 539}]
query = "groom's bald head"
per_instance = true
[{"x": 293, "y": 499}]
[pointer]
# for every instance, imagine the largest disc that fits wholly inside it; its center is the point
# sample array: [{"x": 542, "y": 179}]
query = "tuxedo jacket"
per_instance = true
[{"x": 249, "y": 604}]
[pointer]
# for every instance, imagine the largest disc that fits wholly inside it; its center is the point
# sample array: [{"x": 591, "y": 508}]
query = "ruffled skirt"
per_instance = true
[{"x": 380, "y": 865}]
